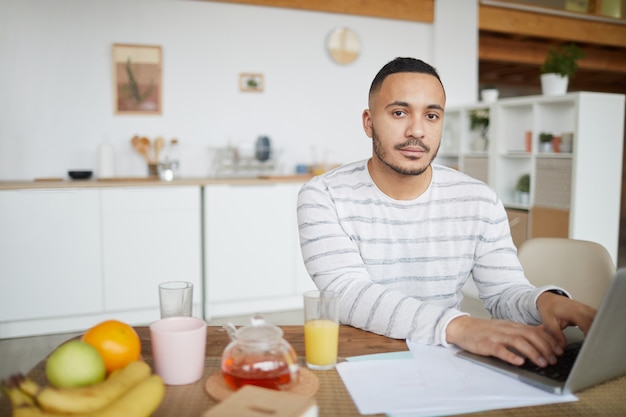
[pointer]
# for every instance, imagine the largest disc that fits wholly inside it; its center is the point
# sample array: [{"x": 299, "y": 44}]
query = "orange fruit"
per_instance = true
[{"x": 117, "y": 342}]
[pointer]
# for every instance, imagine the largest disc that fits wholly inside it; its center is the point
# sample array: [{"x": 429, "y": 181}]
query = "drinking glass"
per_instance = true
[
  {"x": 321, "y": 329},
  {"x": 175, "y": 299}
]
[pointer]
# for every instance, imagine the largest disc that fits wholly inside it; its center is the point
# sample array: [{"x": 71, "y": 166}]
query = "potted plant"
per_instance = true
[
  {"x": 522, "y": 189},
  {"x": 479, "y": 121},
  {"x": 489, "y": 94},
  {"x": 545, "y": 141},
  {"x": 559, "y": 66}
]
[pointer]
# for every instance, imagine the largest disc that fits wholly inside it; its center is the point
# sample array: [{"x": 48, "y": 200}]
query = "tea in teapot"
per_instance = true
[{"x": 259, "y": 355}]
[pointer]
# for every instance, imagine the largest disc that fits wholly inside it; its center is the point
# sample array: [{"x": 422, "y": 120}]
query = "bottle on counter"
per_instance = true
[{"x": 106, "y": 160}]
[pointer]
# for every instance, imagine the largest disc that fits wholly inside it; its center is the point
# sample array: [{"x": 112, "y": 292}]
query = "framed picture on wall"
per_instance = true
[
  {"x": 137, "y": 79},
  {"x": 249, "y": 82}
]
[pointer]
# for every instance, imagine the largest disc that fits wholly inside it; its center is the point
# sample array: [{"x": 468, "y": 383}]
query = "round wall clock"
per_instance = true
[{"x": 343, "y": 46}]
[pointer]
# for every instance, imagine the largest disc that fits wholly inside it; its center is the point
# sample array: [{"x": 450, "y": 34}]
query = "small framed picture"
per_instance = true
[
  {"x": 249, "y": 82},
  {"x": 137, "y": 79}
]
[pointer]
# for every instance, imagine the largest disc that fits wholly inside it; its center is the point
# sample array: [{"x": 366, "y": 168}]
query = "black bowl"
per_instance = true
[{"x": 79, "y": 175}]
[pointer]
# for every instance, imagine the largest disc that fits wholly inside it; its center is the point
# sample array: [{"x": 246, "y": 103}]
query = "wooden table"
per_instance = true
[{"x": 608, "y": 399}]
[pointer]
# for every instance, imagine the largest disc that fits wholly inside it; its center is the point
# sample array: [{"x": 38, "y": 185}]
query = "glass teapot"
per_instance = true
[{"x": 259, "y": 355}]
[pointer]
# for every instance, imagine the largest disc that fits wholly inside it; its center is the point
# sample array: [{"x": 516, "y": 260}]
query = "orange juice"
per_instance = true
[{"x": 321, "y": 338}]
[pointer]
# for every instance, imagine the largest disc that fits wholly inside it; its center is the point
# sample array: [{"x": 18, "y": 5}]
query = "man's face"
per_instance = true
[{"x": 405, "y": 120}]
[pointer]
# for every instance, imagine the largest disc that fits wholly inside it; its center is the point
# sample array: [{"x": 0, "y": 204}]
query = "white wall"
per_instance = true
[
  {"x": 455, "y": 49},
  {"x": 56, "y": 93}
]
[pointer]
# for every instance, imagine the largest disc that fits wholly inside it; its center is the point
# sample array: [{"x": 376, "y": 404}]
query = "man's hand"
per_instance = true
[
  {"x": 558, "y": 312},
  {"x": 507, "y": 340},
  {"x": 512, "y": 342}
]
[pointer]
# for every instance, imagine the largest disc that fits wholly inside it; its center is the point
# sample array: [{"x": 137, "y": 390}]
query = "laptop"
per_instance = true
[{"x": 602, "y": 354}]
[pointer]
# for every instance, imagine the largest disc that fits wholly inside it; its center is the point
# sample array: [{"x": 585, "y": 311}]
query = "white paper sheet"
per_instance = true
[{"x": 434, "y": 382}]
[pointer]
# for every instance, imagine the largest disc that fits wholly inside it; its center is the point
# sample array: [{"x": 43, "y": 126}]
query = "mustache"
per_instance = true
[{"x": 413, "y": 142}]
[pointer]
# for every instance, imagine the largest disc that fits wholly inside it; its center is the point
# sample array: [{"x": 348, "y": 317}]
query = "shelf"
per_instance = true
[
  {"x": 517, "y": 154},
  {"x": 564, "y": 155},
  {"x": 448, "y": 154},
  {"x": 558, "y": 180},
  {"x": 516, "y": 206}
]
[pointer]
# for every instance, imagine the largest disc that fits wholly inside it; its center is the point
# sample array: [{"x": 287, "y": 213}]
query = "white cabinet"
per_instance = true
[
  {"x": 574, "y": 194},
  {"x": 150, "y": 235},
  {"x": 50, "y": 255},
  {"x": 72, "y": 257},
  {"x": 252, "y": 256}
]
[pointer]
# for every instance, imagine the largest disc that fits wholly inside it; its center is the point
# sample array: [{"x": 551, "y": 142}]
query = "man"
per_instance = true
[{"x": 399, "y": 236}]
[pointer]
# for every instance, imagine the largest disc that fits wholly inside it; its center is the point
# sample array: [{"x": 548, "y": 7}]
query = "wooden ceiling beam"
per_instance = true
[
  {"x": 411, "y": 10},
  {"x": 520, "y": 22},
  {"x": 528, "y": 51}
]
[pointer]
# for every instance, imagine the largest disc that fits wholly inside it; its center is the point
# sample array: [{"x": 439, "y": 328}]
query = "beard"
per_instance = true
[{"x": 380, "y": 153}]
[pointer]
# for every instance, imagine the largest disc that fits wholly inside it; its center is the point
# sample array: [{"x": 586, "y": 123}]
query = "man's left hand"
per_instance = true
[{"x": 558, "y": 312}]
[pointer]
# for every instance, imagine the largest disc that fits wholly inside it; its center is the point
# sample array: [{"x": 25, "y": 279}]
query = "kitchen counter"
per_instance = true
[{"x": 52, "y": 183}]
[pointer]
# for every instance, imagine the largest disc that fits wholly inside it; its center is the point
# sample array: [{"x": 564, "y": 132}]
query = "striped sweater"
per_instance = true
[{"x": 400, "y": 265}]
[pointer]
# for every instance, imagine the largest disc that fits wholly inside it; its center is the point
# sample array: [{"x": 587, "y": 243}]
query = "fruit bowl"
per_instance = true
[{"x": 79, "y": 175}]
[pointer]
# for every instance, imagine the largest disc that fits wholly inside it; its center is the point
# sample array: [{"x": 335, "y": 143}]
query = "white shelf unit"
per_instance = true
[
  {"x": 583, "y": 186},
  {"x": 458, "y": 148}
]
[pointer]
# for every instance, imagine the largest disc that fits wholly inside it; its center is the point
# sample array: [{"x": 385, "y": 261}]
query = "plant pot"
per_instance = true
[
  {"x": 522, "y": 197},
  {"x": 545, "y": 147},
  {"x": 554, "y": 84},
  {"x": 480, "y": 144},
  {"x": 489, "y": 95}
]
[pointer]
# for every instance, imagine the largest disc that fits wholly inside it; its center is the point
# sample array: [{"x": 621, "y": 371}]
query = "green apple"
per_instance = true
[{"x": 75, "y": 364}]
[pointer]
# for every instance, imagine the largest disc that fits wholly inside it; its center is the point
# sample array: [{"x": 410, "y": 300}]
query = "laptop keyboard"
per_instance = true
[{"x": 562, "y": 368}]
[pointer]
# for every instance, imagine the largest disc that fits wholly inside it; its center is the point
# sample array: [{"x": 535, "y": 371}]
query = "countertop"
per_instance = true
[{"x": 54, "y": 183}]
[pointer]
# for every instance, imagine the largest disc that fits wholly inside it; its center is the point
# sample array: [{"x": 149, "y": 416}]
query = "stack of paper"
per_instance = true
[{"x": 432, "y": 381}]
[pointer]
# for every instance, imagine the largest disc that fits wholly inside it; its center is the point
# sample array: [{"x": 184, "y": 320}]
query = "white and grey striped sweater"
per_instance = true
[{"x": 400, "y": 265}]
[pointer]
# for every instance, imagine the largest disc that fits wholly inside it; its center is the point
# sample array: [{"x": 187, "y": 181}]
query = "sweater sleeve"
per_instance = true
[
  {"x": 499, "y": 276},
  {"x": 334, "y": 263}
]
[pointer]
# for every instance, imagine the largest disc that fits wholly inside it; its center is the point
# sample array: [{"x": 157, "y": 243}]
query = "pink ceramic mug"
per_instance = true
[{"x": 178, "y": 348}]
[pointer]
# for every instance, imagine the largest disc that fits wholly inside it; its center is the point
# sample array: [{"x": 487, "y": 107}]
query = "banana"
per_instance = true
[
  {"x": 140, "y": 400},
  {"x": 16, "y": 396},
  {"x": 22, "y": 404},
  {"x": 90, "y": 398}
]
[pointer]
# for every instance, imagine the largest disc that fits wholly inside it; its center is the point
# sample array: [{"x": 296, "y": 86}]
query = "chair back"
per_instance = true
[{"x": 581, "y": 267}]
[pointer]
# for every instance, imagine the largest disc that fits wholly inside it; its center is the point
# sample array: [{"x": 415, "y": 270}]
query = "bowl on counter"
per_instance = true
[{"x": 80, "y": 175}]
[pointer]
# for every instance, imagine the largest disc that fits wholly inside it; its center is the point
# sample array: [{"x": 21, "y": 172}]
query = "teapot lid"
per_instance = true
[{"x": 258, "y": 331}]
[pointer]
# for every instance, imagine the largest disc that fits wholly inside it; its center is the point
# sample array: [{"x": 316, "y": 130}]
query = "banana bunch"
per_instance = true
[{"x": 129, "y": 392}]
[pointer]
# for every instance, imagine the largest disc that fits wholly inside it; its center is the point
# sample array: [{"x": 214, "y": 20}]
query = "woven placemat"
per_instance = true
[
  {"x": 333, "y": 399},
  {"x": 217, "y": 388}
]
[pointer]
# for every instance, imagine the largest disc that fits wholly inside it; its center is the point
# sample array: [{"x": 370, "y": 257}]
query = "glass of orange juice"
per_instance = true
[{"x": 321, "y": 329}]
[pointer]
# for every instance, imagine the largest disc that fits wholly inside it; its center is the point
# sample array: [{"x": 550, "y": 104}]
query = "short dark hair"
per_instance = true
[{"x": 402, "y": 65}]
